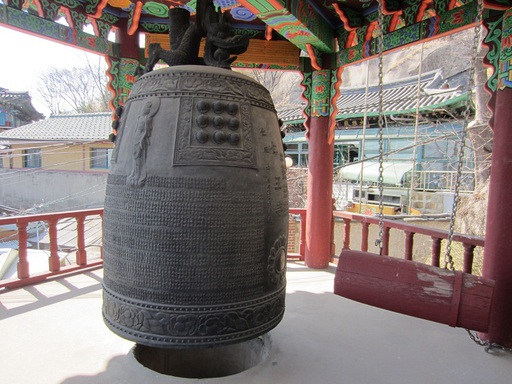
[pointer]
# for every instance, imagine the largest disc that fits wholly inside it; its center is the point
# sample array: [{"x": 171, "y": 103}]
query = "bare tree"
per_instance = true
[
  {"x": 280, "y": 84},
  {"x": 78, "y": 89},
  {"x": 473, "y": 208},
  {"x": 479, "y": 131},
  {"x": 100, "y": 79}
]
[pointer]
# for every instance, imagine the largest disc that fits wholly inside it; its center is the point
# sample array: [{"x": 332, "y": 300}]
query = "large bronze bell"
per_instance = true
[{"x": 196, "y": 212}]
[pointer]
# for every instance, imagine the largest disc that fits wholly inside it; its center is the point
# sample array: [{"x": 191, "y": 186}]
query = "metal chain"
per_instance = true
[
  {"x": 448, "y": 258},
  {"x": 489, "y": 347},
  {"x": 380, "y": 47}
]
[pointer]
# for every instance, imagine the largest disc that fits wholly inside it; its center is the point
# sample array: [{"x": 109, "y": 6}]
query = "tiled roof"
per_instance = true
[
  {"x": 78, "y": 127},
  {"x": 9, "y": 96},
  {"x": 20, "y": 101},
  {"x": 398, "y": 97}
]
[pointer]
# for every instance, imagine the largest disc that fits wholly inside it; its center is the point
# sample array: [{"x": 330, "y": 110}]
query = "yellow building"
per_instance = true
[
  {"x": 56, "y": 164},
  {"x": 76, "y": 143}
]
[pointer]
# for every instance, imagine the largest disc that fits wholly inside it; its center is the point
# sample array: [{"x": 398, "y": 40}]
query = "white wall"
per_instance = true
[{"x": 52, "y": 191}]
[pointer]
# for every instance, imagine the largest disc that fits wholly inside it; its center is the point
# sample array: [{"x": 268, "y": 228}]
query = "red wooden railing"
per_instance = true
[
  {"x": 54, "y": 265},
  {"x": 302, "y": 246},
  {"x": 469, "y": 243}
]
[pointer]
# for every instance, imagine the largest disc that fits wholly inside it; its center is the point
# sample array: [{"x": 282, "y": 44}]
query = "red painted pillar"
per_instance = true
[
  {"x": 319, "y": 204},
  {"x": 497, "y": 263},
  {"x": 322, "y": 91}
]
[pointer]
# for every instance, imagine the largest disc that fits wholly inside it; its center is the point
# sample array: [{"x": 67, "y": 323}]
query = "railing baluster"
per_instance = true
[
  {"x": 469, "y": 255},
  {"x": 81, "y": 253},
  {"x": 101, "y": 249},
  {"x": 385, "y": 241},
  {"x": 24, "y": 277},
  {"x": 301, "y": 212},
  {"x": 409, "y": 243},
  {"x": 364, "y": 236},
  {"x": 333, "y": 222},
  {"x": 302, "y": 248},
  {"x": 23, "y": 266},
  {"x": 53, "y": 260},
  {"x": 436, "y": 251},
  {"x": 437, "y": 235},
  {"x": 54, "y": 268},
  {"x": 346, "y": 233}
]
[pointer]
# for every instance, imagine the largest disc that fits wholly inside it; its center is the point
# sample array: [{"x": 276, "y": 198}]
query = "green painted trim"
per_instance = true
[
  {"x": 457, "y": 18},
  {"x": 121, "y": 73},
  {"x": 321, "y": 93},
  {"x": 505, "y": 67},
  {"x": 297, "y": 21},
  {"x": 11, "y": 17},
  {"x": 493, "y": 41},
  {"x": 452, "y": 102}
]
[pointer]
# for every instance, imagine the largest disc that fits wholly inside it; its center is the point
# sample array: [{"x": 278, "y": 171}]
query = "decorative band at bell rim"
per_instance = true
[{"x": 196, "y": 212}]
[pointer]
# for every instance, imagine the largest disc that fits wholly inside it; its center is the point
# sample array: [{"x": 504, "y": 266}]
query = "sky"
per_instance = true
[{"x": 24, "y": 57}]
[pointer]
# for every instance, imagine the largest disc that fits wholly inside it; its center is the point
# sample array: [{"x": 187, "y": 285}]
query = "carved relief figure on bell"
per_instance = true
[
  {"x": 196, "y": 212},
  {"x": 141, "y": 141},
  {"x": 185, "y": 38}
]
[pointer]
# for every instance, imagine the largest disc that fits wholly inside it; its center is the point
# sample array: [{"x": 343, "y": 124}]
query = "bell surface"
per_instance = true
[{"x": 196, "y": 212}]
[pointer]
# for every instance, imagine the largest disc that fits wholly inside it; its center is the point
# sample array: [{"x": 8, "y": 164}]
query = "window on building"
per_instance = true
[
  {"x": 346, "y": 153},
  {"x": 100, "y": 158},
  {"x": 401, "y": 148},
  {"x": 371, "y": 148},
  {"x": 441, "y": 149},
  {"x": 32, "y": 158}
]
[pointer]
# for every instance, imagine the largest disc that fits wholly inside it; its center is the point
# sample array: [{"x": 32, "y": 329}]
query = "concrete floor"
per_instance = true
[{"x": 53, "y": 333}]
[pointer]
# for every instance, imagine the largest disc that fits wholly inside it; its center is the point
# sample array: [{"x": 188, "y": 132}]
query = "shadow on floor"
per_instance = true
[{"x": 35, "y": 298}]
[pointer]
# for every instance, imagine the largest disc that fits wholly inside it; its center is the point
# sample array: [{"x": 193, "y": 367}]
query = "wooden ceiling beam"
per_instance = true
[
  {"x": 297, "y": 21},
  {"x": 261, "y": 53}
]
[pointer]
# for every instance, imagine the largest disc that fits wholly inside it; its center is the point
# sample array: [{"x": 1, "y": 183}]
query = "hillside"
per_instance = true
[{"x": 452, "y": 54}]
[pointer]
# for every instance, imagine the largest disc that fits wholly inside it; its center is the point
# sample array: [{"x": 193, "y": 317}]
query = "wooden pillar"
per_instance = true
[
  {"x": 319, "y": 204},
  {"x": 497, "y": 264},
  {"x": 323, "y": 86}
]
